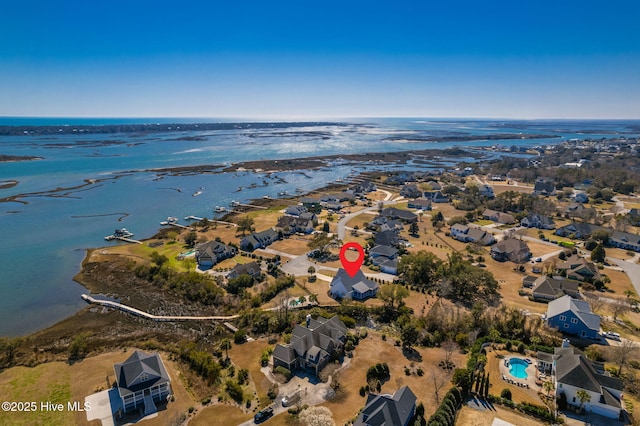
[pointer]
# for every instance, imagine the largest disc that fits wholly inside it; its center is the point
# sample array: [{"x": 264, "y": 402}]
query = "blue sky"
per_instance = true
[{"x": 283, "y": 59}]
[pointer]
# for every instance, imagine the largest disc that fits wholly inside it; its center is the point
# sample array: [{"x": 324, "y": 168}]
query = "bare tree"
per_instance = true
[
  {"x": 439, "y": 380},
  {"x": 449, "y": 348},
  {"x": 595, "y": 303},
  {"x": 621, "y": 354},
  {"x": 618, "y": 308}
]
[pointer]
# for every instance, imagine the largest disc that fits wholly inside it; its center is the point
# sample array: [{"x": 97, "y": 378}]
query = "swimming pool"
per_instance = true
[{"x": 517, "y": 368}]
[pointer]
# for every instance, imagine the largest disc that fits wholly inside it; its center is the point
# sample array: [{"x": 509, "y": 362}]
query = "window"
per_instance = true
[
  {"x": 563, "y": 317},
  {"x": 574, "y": 320},
  {"x": 566, "y": 325}
]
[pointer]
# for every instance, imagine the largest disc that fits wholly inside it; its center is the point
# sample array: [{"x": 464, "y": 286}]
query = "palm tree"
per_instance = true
[
  {"x": 313, "y": 298},
  {"x": 548, "y": 386},
  {"x": 535, "y": 340},
  {"x": 494, "y": 335},
  {"x": 225, "y": 345}
]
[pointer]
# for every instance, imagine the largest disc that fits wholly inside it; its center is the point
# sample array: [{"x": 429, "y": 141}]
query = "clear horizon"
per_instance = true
[{"x": 497, "y": 60}]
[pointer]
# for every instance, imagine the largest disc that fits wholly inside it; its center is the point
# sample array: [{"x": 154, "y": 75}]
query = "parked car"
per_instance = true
[
  {"x": 611, "y": 335},
  {"x": 263, "y": 415}
]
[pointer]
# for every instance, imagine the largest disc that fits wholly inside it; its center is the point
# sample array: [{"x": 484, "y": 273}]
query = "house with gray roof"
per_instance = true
[
  {"x": 252, "y": 269},
  {"x": 546, "y": 288},
  {"x": 572, "y": 372},
  {"x": 291, "y": 225},
  {"x": 385, "y": 257},
  {"x": 468, "y": 234},
  {"x": 387, "y": 238},
  {"x": 410, "y": 191},
  {"x": 142, "y": 380},
  {"x": 578, "y": 268},
  {"x": 357, "y": 287},
  {"x": 511, "y": 249},
  {"x": 578, "y": 230},
  {"x": 573, "y": 316},
  {"x": 311, "y": 345},
  {"x": 544, "y": 186},
  {"x": 386, "y": 410},
  {"x": 498, "y": 217},
  {"x": 539, "y": 221},
  {"x": 295, "y": 210},
  {"x": 258, "y": 240},
  {"x": 212, "y": 252},
  {"x": 404, "y": 215},
  {"x": 419, "y": 204}
]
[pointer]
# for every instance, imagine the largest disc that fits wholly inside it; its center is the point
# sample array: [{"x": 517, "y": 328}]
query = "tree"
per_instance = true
[
  {"x": 598, "y": 254},
  {"x": 601, "y": 236},
  {"x": 322, "y": 242},
  {"x": 548, "y": 386},
  {"x": 225, "y": 345},
  {"x": 420, "y": 269},
  {"x": 311, "y": 271},
  {"x": 191, "y": 238},
  {"x": 618, "y": 308},
  {"x": 316, "y": 416},
  {"x": 583, "y": 396},
  {"x": 325, "y": 227},
  {"x": 449, "y": 348},
  {"x": 535, "y": 340},
  {"x": 414, "y": 228},
  {"x": 391, "y": 294},
  {"x": 438, "y": 380},
  {"x": 313, "y": 298},
  {"x": 494, "y": 335},
  {"x": 620, "y": 354},
  {"x": 245, "y": 224},
  {"x": 437, "y": 219},
  {"x": 409, "y": 335}
]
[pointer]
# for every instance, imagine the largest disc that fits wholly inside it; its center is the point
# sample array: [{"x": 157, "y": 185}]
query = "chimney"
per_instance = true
[{"x": 566, "y": 343}]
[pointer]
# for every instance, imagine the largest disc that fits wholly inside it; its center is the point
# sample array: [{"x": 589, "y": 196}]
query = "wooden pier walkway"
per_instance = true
[
  {"x": 126, "y": 240},
  {"x": 139, "y": 313}
]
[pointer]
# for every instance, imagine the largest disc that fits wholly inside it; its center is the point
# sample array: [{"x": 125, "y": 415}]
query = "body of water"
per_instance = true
[{"x": 46, "y": 232}]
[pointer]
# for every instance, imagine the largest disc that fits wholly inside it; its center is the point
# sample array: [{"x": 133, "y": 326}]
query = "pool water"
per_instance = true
[{"x": 517, "y": 368}]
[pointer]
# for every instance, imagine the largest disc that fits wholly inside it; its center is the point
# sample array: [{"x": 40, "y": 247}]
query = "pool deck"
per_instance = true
[{"x": 530, "y": 370}]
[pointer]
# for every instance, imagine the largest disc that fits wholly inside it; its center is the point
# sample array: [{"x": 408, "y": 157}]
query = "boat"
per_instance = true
[
  {"x": 119, "y": 233},
  {"x": 198, "y": 192},
  {"x": 266, "y": 197},
  {"x": 170, "y": 221},
  {"x": 235, "y": 203},
  {"x": 283, "y": 193},
  {"x": 219, "y": 209}
]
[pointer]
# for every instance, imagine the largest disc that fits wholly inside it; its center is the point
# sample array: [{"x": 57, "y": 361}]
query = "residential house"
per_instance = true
[
  {"x": 419, "y": 204},
  {"x": 387, "y": 238},
  {"x": 511, "y": 249},
  {"x": 581, "y": 197},
  {"x": 311, "y": 345},
  {"x": 579, "y": 210},
  {"x": 539, "y": 221},
  {"x": 381, "y": 223},
  {"x": 486, "y": 191},
  {"x": 573, "y": 316},
  {"x": 386, "y": 410},
  {"x": 364, "y": 187},
  {"x": 380, "y": 254},
  {"x": 389, "y": 266},
  {"x": 468, "y": 234},
  {"x": 333, "y": 206},
  {"x": 142, "y": 380},
  {"x": 410, "y": 191},
  {"x": 400, "y": 178},
  {"x": 310, "y": 202},
  {"x": 404, "y": 215},
  {"x": 528, "y": 281},
  {"x": 357, "y": 287},
  {"x": 546, "y": 288},
  {"x": 581, "y": 231},
  {"x": 624, "y": 240},
  {"x": 497, "y": 216},
  {"x": 544, "y": 186},
  {"x": 295, "y": 210},
  {"x": 252, "y": 269},
  {"x": 436, "y": 196},
  {"x": 578, "y": 268},
  {"x": 291, "y": 225},
  {"x": 435, "y": 186},
  {"x": 258, "y": 240},
  {"x": 572, "y": 372},
  {"x": 212, "y": 252}
]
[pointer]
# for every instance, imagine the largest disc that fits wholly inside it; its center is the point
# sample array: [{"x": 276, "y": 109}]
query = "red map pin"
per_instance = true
[{"x": 352, "y": 268}]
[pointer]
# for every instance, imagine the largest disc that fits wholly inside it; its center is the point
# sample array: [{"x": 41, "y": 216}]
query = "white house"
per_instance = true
[
  {"x": 573, "y": 372},
  {"x": 357, "y": 287},
  {"x": 142, "y": 380}
]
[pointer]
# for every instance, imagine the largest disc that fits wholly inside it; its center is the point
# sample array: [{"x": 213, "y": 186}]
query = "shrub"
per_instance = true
[
  {"x": 235, "y": 391},
  {"x": 283, "y": 371},
  {"x": 506, "y": 394}
]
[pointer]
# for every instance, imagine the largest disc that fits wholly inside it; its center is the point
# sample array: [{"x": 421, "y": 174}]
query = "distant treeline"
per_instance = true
[{"x": 150, "y": 128}]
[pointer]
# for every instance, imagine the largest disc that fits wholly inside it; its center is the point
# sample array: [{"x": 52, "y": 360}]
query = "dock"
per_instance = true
[
  {"x": 125, "y": 239},
  {"x": 143, "y": 314},
  {"x": 252, "y": 206},
  {"x": 193, "y": 218}
]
